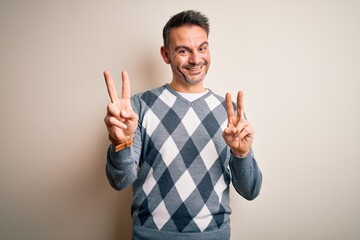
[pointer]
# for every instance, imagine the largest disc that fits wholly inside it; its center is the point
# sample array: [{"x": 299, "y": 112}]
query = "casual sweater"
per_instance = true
[{"x": 181, "y": 167}]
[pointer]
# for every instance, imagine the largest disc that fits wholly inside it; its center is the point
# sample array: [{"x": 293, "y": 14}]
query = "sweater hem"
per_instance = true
[{"x": 142, "y": 233}]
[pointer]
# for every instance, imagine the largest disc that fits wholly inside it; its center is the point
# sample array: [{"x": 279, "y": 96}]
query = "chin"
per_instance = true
[
  {"x": 194, "y": 81},
  {"x": 189, "y": 78}
]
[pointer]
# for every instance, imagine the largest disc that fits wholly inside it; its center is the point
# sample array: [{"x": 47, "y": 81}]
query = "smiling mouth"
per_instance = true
[{"x": 194, "y": 70}]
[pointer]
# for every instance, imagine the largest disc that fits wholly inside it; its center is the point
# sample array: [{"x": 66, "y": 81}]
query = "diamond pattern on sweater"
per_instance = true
[
  {"x": 144, "y": 212},
  {"x": 168, "y": 98},
  {"x": 149, "y": 183},
  {"x": 197, "y": 170},
  {"x": 162, "y": 215},
  {"x": 184, "y": 180},
  {"x": 209, "y": 154},
  {"x": 205, "y": 187},
  {"x": 211, "y": 124},
  {"x": 151, "y": 121},
  {"x": 169, "y": 151},
  {"x": 149, "y": 98},
  {"x": 224, "y": 125},
  {"x": 212, "y": 102},
  {"x": 191, "y": 121},
  {"x": 220, "y": 187},
  {"x": 151, "y": 153},
  {"x": 203, "y": 218},
  {"x": 219, "y": 218},
  {"x": 165, "y": 183},
  {"x": 189, "y": 152},
  {"x": 181, "y": 217},
  {"x": 185, "y": 185},
  {"x": 170, "y": 121},
  {"x": 173, "y": 201}
]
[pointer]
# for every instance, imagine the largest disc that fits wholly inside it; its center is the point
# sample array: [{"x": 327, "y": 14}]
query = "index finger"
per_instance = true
[
  {"x": 240, "y": 105},
  {"x": 125, "y": 85},
  {"x": 229, "y": 108},
  {"x": 110, "y": 87}
]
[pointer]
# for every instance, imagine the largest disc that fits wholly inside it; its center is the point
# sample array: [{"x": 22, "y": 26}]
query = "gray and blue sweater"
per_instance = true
[{"x": 181, "y": 167}]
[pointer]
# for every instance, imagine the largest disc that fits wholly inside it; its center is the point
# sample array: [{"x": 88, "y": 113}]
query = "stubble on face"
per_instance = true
[
  {"x": 189, "y": 54},
  {"x": 194, "y": 75}
]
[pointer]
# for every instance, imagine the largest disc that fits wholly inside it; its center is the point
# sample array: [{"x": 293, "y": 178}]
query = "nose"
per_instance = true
[{"x": 195, "y": 58}]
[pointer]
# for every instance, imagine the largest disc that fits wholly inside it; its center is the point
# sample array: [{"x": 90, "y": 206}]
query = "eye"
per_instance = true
[
  {"x": 203, "y": 49},
  {"x": 183, "y": 51}
]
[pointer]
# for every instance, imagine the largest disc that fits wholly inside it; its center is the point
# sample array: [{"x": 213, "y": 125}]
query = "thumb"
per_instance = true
[
  {"x": 230, "y": 130},
  {"x": 128, "y": 114},
  {"x": 125, "y": 113}
]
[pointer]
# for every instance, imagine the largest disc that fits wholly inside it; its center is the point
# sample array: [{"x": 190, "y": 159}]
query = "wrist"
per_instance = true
[
  {"x": 122, "y": 144},
  {"x": 239, "y": 154}
]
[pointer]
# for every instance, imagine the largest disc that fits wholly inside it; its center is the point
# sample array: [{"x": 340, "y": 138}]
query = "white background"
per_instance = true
[{"x": 298, "y": 63}]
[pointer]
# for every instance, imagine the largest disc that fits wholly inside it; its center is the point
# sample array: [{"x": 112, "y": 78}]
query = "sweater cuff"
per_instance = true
[
  {"x": 242, "y": 162},
  {"x": 121, "y": 159}
]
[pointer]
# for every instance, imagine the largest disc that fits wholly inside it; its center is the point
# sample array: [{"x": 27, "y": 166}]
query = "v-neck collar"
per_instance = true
[{"x": 182, "y": 98}]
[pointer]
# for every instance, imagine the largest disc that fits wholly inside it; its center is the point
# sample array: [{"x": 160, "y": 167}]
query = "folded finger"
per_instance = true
[
  {"x": 230, "y": 130},
  {"x": 115, "y": 122},
  {"x": 113, "y": 110},
  {"x": 247, "y": 131}
]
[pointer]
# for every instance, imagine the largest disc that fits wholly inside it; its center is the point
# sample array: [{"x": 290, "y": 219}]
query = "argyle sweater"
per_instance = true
[{"x": 181, "y": 167}]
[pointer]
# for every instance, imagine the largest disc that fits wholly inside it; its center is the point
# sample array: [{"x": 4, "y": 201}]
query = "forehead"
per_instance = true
[{"x": 187, "y": 35}]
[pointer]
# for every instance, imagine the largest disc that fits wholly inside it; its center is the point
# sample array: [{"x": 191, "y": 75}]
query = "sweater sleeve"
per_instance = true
[
  {"x": 246, "y": 176},
  {"x": 121, "y": 167}
]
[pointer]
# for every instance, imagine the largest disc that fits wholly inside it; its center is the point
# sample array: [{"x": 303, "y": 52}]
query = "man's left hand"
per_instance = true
[{"x": 239, "y": 134}]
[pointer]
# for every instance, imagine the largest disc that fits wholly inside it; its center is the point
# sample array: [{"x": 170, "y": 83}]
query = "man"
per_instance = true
[{"x": 180, "y": 145}]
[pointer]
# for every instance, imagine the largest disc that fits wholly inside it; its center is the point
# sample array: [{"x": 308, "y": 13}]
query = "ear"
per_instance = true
[{"x": 165, "y": 54}]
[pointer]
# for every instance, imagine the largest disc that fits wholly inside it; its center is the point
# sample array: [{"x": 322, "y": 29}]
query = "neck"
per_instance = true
[{"x": 188, "y": 88}]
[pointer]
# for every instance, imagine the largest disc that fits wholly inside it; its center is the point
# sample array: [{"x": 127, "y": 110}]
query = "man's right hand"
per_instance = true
[{"x": 120, "y": 120}]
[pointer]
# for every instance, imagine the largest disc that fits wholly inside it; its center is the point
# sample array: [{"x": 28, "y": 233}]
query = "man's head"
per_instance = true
[
  {"x": 186, "y": 49},
  {"x": 189, "y": 17}
]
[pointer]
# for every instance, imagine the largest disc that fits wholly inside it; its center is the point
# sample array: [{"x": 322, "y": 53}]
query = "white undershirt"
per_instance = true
[{"x": 192, "y": 96}]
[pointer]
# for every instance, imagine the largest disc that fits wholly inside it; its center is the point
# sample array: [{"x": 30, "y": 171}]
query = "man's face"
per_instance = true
[{"x": 188, "y": 54}]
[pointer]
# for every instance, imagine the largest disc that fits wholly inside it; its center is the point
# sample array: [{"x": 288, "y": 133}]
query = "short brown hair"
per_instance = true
[{"x": 190, "y": 17}]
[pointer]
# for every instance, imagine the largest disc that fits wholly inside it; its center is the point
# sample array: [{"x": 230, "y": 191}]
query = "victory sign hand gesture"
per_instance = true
[
  {"x": 120, "y": 120},
  {"x": 239, "y": 134}
]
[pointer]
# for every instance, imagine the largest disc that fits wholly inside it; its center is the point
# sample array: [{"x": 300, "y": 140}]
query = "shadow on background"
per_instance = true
[
  {"x": 122, "y": 217},
  {"x": 119, "y": 220}
]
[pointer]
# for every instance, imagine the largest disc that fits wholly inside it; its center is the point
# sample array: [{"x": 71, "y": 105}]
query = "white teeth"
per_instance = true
[{"x": 194, "y": 69}]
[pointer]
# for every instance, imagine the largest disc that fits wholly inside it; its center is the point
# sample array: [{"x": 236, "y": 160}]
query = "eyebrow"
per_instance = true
[{"x": 183, "y": 46}]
